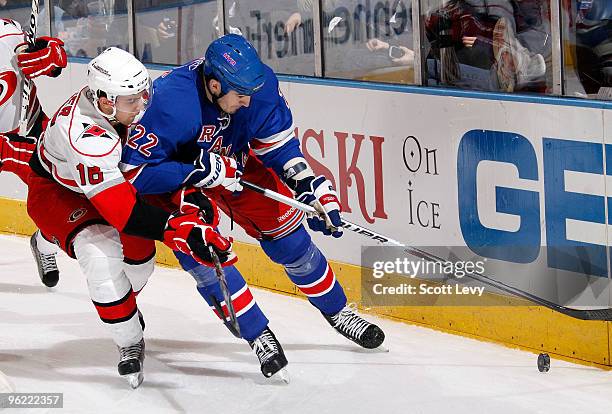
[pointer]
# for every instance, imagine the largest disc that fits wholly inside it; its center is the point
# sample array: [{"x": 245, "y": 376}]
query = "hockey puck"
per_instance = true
[{"x": 543, "y": 362}]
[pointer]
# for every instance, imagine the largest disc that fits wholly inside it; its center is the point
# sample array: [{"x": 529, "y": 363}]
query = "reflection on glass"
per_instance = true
[
  {"x": 497, "y": 45},
  {"x": 173, "y": 32},
  {"x": 368, "y": 40},
  {"x": 89, "y": 27},
  {"x": 20, "y": 11},
  {"x": 587, "y": 46},
  {"x": 281, "y": 31}
]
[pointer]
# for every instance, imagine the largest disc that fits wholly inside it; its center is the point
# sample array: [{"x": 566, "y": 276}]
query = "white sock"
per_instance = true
[{"x": 44, "y": 246}]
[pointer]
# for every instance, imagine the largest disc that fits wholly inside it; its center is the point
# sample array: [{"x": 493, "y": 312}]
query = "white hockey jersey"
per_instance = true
[
  {"x": 11, "y": 80},
  {"x": 80, "y": 149}
]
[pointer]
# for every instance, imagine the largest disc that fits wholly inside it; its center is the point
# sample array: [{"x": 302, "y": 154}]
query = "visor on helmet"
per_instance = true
[{"x": 135, "y": 104}]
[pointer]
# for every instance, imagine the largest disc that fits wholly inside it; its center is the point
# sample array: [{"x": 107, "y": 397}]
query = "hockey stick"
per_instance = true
[
  {"x": 603, "y": 314},
  {"x": 232, "y": 324},
  {"x": 30, "y": 37},
  {"x": 313, "y": 212}
]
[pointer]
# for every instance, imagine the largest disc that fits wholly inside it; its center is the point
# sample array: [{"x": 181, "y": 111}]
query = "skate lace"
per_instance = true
[
  {"x": 265, "y": 347},
  {"x": 48, "y": 262},
  {"x": 131, "y": 352},
  {"x": 349, "y": 322}
]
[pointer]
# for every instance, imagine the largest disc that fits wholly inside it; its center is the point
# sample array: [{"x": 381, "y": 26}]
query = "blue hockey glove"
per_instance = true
[
  {"x": 214, "y": 170},
  {"x": 319, "y": 193}
]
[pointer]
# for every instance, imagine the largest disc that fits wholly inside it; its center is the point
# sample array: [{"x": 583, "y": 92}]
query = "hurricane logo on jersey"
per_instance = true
[
  {"x": 77, "y": 214},
  {"x": 94, "y": 131},
  {"x": 8, "y": 85},
  {"x": 7, "y": 22}
]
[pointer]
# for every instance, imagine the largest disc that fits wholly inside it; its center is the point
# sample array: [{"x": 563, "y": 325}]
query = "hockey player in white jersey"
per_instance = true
[
  {"x": 79, "y": 196},
  {"x": 46, "y": 58}
]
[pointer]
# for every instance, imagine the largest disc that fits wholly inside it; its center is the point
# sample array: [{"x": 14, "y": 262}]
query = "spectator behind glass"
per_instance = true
[
  {"x": 593, "y": 25},
  {"x": 156, "y": 38},
  {"x": 398, "y": 54},
  {"x": 395, "y": 46},
  {"x": 92, "y": 26},
  {"x": 73, "y": 9},
  {"x": 303, "y": 7},
  {"x": 18, "y": 10},
  {"x": 265, "y": 25},
  {"x": 58, "y": 19},
  {"x": 368, "y": 40},
  {"x": 475, "y": 45}
]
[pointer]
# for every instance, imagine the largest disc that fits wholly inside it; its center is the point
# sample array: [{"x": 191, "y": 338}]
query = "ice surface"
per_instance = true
[{"x": 52, "y": 341}]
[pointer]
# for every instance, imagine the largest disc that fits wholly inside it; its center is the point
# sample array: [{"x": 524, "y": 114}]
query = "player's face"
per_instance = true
[
  {"x": 231, "y": 102},
  {"x": 130, "y": 106}
]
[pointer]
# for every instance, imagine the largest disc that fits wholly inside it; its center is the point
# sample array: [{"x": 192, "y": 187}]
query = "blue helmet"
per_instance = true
[{"x": 235, "y": 64}]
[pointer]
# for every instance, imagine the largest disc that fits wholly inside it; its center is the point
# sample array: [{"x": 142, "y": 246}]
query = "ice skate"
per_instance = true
[
  {"x": 131, "y": 363},
  {"x": 354, "y": 327},
  {"x": 47, "y": 266},
  {"x": 270, "y": 354}
]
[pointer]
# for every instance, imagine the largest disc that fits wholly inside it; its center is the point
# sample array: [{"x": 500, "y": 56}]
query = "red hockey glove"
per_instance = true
[
  {"x": 189, "y": 234},
  {"x": 15, "y": 154},
  {"x": 46, "y": 57},
  {"x": 190, "y": 199}
]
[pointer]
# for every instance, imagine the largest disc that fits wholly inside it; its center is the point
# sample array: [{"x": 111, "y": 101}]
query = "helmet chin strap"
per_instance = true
[
  {"x": 96, "y": 101},
  {"x": 110, "y": 117}
]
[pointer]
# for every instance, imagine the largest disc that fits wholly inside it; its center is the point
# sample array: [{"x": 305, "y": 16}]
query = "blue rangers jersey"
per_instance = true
[{"x": 160, "y": 153}]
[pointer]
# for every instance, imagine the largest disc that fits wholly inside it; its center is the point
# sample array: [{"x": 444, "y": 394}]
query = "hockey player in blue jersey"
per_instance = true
[{"x": 213, "y": 121}]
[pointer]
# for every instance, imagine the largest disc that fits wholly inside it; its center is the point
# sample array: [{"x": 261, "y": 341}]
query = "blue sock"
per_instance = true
[
  {"x": 308, "y": 269},
  {"x": 251, "y": 319}
]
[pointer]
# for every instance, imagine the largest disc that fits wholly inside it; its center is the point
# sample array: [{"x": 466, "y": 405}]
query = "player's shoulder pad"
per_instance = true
[
  {"x": 10, "y": 36},
  {"x": 175, "y": 102},
  {"x": 269, "y": 93},
  {"x": 9, "y": 26},
  {"x": 173, "y": 79},
  {"x": 92, "y": 140}
]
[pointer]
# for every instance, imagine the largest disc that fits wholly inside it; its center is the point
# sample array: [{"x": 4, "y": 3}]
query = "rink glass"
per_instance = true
[
  {"x": 281, "y": 31},
  {"x": 463, "y": 46},
  {"x": 359, "y": 35},
  {"x": 365, "y": 40},
  {"x": 20, "y": 11},
  {"x": 89, "y": 27},
  {"x": 587, "y": 45},
  {"x": 174, "y": 32}
]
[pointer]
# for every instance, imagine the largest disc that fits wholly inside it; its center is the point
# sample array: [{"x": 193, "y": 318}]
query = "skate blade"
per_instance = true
[
  {"x": 282, "y": 375},
  {"x": 50, "y": 288},
  {"x": 134, "y": 379},
  {"x": 382, "y": 349}
]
